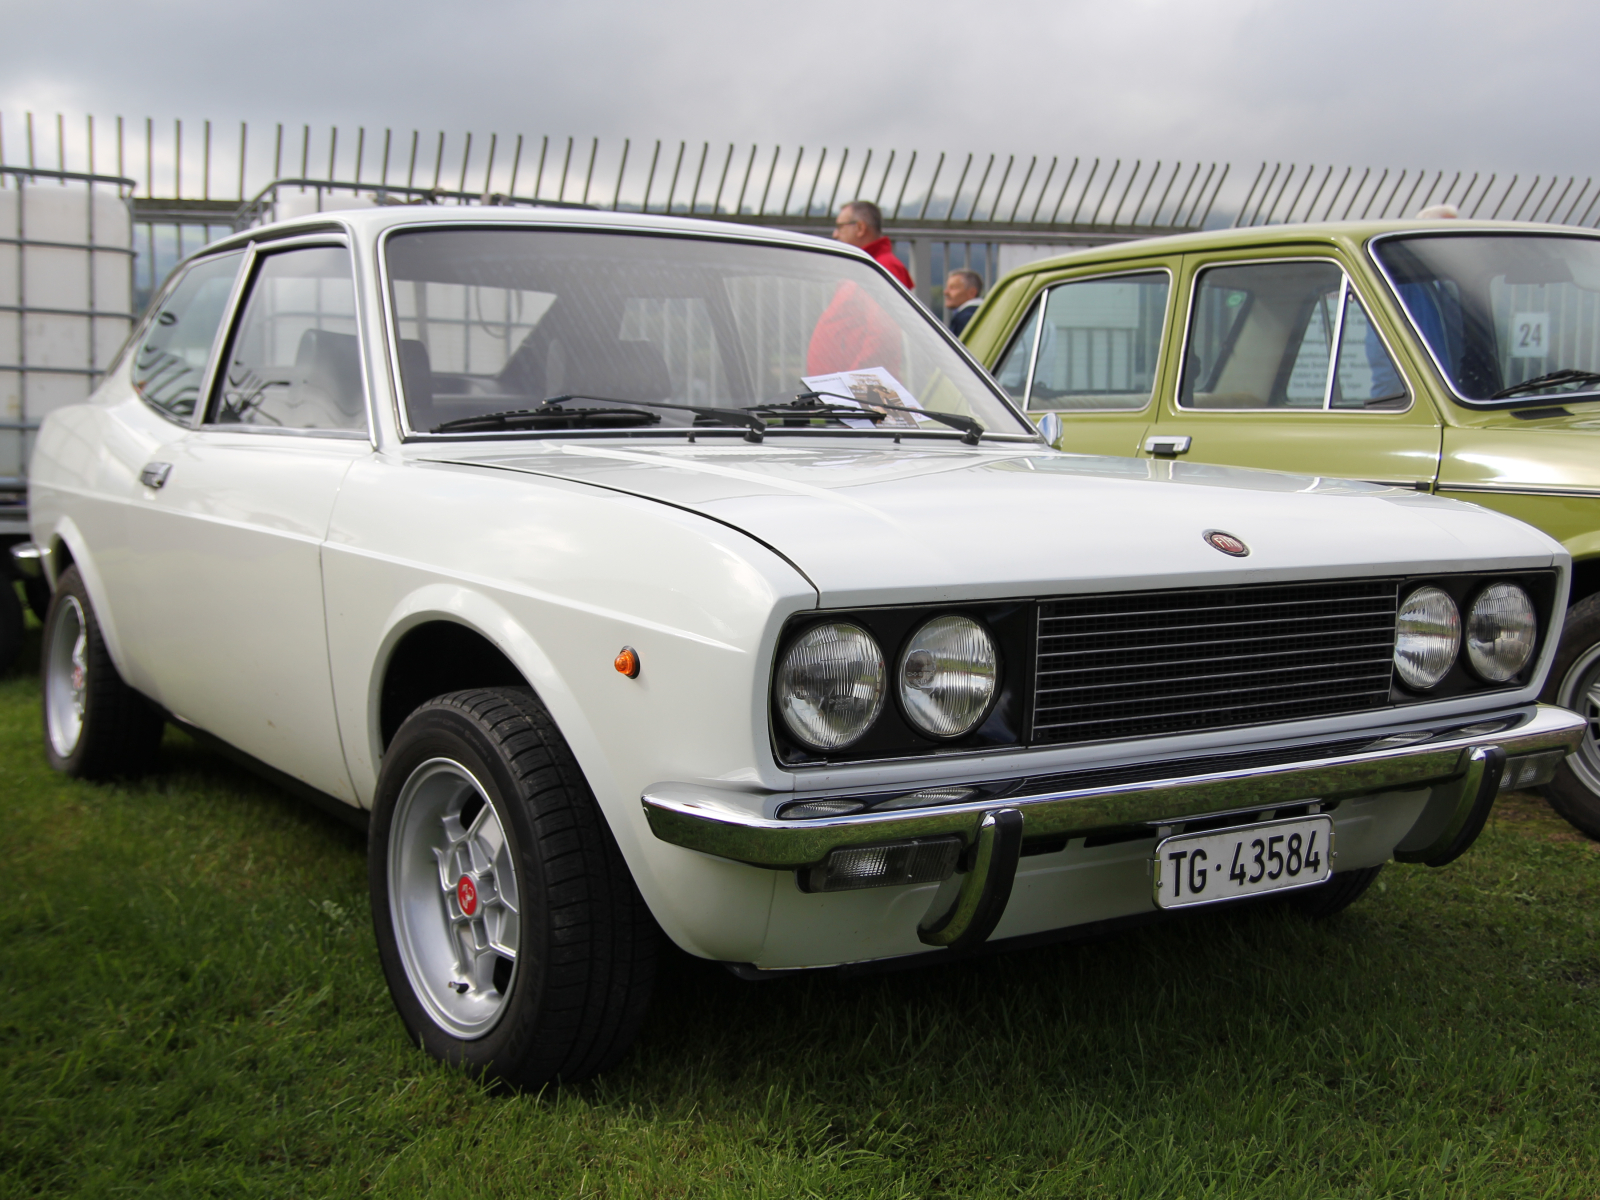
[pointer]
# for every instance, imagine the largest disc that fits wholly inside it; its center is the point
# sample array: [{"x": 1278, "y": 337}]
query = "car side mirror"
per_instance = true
[{"x": 1050, "y": 427}]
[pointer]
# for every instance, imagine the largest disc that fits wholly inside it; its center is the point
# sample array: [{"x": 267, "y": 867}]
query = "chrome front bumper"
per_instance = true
[{"x": 1464, "y": 763}]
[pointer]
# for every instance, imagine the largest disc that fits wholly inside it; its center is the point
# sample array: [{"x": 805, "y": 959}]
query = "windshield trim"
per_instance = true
[
  {"x": 1536, "y": 399},
  {"x": 836, "y": 249}
]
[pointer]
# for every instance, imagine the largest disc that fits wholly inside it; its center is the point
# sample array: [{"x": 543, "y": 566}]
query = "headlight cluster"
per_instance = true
[
  {"x": 832, "y": 682},
  {"x": 1501, "y": 631}
]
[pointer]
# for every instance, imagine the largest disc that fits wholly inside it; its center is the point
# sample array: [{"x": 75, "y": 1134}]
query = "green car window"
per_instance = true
[
  {"x": 1289, "y": 335},
  {"x": 1098, "y": 345}
]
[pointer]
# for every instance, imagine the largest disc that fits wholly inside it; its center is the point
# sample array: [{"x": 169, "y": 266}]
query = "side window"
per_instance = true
[
  {"x": 294, "y": 362},
  {"x": 1265, "y": 335},
  {"x": 1100, "y": 342},
  {"x": 1366, "y": 376},
  {"x": 1011, "y": 373},
  {"x": 170, "y": 363}
]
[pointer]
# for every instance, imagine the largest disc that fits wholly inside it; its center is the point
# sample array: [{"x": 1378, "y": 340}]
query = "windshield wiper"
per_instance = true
[
  {"x": 539, "y": 413},
  {"x": 1553, "y": 379},
  {"x": 971, "y": 430}
]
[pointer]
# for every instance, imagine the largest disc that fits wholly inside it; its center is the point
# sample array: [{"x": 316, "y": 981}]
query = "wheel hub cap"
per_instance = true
[
  {"x": 66, "y": 676},
  {"x": 454, "y": 899}
]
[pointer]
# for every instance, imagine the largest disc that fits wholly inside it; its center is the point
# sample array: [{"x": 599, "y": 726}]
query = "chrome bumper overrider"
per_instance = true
[{"x": 1463, "y": 763}]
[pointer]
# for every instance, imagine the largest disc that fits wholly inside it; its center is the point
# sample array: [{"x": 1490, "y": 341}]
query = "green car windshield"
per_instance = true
[{"x": 1508, "y": 317}]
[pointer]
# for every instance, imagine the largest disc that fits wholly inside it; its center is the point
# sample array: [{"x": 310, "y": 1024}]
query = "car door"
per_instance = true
[
  {"x": 1284, "y": 368},
  {"x": 1089, "y": 349},
  {"x": 228, "y": 533}
]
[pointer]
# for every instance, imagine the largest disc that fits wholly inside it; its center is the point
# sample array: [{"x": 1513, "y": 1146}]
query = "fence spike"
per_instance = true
[
  {"x": 788, "y": 192},
  {"x": 538, "y": 180},
  {"x": 716, "y": 205},
  {"x": 884, "y": 182},
  {"x": 749, "y": 166},
  {"x": 839, "y": 178},
  {"x": 566, "y": 166},
  {"x": 388, "y": 141},
  {"x": 1145, "y": 195},
  {"x": 1222, "y": 179},
  {"x": 616, "y": 197},
  {"x": 1044, "y": 188},
  {"x": 516, "y": 165},
  {"x": 488, "y": 170},
  {"x": 1482, "y": 196},
  {"x": 1132, "y": 179},
  {"x": 904, "y": 183},
  {"x": 1412, "y": 194},
  {"x": 1566, "y": 220},
  {"x": 1507, "y": 195},
  {"x": 1177, "y": 210},
  {"x": 1267, "y": 191},
  {"x": 694, "y": 197},
  {"x": 1001, "y": 190},
  {"x": 767, "y": 190},
  {"x": 241, "y": 160},
  {"x": 1238, "y": 217},
  {"x": 950, "y": 213},
  {"x": 1376, "y": 188},
  {"x": 1317, "y": 195},
  {"x": 466, "y": 157},
  {"x": 411, "y": 171},
  {"x": 927, "y": 197},
  {"x": 672, "y": 189},
  {"x": 972, "y": 213},
  {"x": 650, "y": 179},
  {"x": 588, "y": 176},
  {"x": 861, "y": 183},
  {"x": 1084, "y": 195}
]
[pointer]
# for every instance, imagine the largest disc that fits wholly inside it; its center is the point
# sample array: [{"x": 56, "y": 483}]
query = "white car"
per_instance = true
[{"x": 641, "y": 576}]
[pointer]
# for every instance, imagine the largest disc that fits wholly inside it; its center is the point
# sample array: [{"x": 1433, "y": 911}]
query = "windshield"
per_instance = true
[
  {"x": 495, "y": 320},
  {"x": 1503, "y": 309}
]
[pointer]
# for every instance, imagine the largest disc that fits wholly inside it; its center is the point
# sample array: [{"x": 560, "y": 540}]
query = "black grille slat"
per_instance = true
[{"x": 1142, "y": 664}]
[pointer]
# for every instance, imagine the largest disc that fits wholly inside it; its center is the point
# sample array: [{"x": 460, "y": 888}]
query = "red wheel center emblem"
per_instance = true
[{"x": 467, "y": 895}]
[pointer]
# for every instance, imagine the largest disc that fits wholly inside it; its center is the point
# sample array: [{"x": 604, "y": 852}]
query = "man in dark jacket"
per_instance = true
[
  {"x": 860, "y": 223},
  {"x": 961, "y": 291}
]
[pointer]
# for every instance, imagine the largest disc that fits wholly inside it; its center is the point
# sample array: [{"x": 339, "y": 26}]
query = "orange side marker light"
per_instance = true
[{"x": 627, "y": 662}]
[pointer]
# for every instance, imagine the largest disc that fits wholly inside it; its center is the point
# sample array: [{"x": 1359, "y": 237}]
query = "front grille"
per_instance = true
[{"x": 1143, "y": 664}]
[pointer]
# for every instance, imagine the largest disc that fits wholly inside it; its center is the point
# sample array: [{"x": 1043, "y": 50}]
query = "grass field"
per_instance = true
[{"x": 190, "y": 1005}]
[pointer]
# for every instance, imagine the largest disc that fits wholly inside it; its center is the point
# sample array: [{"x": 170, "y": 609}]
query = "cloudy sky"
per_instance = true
[{"x": 1462, "y": 84}]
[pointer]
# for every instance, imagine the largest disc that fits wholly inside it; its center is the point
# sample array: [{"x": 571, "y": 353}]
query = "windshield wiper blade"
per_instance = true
[
  {"x": 527, "y": 417},
  {"x": 1552, "y": 379},
  {"x": 971, "y": 430},
  {"x": 754, "y": 426}
]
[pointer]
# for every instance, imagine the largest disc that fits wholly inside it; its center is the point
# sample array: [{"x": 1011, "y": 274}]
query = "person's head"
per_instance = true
[
  {"x": 1434, "y": 211},
  {"x": 961, "y": 286},
  {"x": 859, "y": 223}
]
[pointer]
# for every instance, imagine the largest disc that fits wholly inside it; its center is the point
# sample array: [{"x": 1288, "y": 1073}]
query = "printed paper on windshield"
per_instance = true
[{"x": 871, "y": 388}]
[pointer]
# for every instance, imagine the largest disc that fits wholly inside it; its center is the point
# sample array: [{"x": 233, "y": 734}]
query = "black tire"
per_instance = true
[
  {"x": 1338, "y": 894},
  {"x": 1574, "y": 792},
  {"x": 11, "y": 628},
  {"x": 95, "y": 725},
  {"x": 569, "y": 1001}
]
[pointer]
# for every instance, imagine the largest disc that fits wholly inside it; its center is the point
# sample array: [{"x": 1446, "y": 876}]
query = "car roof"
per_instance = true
[
  {"x": 370, "y": 223},
  {"x": 1351, "y": 234}
]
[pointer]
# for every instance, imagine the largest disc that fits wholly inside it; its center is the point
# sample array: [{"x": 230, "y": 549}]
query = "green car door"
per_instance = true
[
  {"x": 1090, "y": 346},
  {"x": 1284, "y": 362}
]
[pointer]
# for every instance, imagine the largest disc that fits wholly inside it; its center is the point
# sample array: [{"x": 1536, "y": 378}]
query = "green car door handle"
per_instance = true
[{"x": 1167, "y": 443}]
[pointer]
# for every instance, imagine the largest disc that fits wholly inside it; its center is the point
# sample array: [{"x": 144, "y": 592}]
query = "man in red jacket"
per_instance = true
[
  {"x": 860, "y": 223},
  {"x": 853, "y": 332}
]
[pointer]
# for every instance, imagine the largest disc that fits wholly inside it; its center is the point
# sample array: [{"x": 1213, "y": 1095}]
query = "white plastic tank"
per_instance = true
[{"x": 66, "y": 294}]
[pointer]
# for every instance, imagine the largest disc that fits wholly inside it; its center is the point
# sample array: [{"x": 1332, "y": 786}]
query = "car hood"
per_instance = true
[{"x": 903, "y": 523}]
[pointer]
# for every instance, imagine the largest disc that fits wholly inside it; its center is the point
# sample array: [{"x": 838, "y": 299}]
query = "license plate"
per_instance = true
[{"x": 1246, "y": 860}]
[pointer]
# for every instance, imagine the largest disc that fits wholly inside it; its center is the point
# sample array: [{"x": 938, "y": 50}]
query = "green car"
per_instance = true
[{"x": 1454, "y": 357}]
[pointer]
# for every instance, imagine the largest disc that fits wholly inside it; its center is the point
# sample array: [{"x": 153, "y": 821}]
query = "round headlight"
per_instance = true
[
  {"x": 830, "y": 686},
  {"x": 948, "y": 673},
  {"x": 1501, "y": 630},
  {"x": 1427, "y": 637}
]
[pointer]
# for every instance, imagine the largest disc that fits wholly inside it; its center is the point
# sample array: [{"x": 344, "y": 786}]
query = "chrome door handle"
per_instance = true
[
  {"x": 155, "y": 474},
  {"x": 1167, "y": 443}
]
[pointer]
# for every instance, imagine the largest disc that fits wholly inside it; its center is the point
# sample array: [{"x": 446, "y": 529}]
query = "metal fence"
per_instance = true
[{"x": 944, "y": 210}]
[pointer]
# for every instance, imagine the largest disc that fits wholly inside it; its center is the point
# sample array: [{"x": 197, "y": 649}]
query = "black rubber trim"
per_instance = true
[{"x": 1494, "y": 768}]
